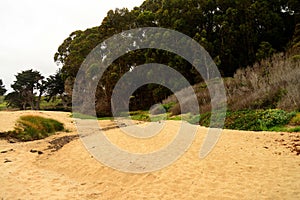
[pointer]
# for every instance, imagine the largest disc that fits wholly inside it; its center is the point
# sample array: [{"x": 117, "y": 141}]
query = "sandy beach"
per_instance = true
[{"x": 243, "y": 165}]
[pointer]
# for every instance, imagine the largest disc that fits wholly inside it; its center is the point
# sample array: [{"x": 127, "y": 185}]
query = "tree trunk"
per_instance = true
[{"x": 37, "y": 107}]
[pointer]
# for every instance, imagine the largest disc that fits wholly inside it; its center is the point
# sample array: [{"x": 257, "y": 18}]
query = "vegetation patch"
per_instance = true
[
  {"x": 30, "y": 127},
  {"x": 2, "y": 103},
  {"x": 256, "y": 120},
  {"x": 140, "y": 115},
  {"x": 295, "y": 121},
  {"x": 82, "y": 116}
]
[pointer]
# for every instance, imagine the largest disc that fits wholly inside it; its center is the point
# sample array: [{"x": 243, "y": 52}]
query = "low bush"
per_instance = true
[
  {"x": 253, "y": 120},
  {"x": 168, "y": 106},
  {"x": 32, "y": 127},
  {"x": 140, "y": 115},
  {"x": 295, "y": 121}
]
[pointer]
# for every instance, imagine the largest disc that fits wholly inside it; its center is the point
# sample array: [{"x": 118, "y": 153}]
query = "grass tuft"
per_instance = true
[{"x": 32, "y": 127}]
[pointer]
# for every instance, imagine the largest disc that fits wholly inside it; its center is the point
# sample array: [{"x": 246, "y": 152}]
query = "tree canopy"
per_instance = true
[
  {"x": 235, "y": 33},
  {"x": 25, "y": 87},
  {"x": 30, "y": 86},
  {"x": 2, "y": 88}
]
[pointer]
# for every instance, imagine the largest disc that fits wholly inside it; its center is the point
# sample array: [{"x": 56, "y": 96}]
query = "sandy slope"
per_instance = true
[{"x": 245, "y": 165}]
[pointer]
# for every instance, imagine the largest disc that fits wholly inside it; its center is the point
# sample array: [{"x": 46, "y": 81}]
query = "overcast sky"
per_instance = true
[{"x": 32, "y": 30}]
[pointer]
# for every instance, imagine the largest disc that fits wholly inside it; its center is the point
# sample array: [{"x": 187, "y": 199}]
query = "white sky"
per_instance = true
[{"x": 32, "y": 30}]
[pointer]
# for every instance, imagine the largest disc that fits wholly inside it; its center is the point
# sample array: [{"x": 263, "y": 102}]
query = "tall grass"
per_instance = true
[
  {"x": 30, "y": 127},
  {"x": 272, "y": 83},
  {"x": 259, "y": 97}
]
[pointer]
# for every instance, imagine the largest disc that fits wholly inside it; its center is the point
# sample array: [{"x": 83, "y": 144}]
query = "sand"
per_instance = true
[{"x": 243, "y": 165}]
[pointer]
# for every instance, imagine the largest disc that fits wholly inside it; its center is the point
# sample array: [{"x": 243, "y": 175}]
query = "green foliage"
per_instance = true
[
  {"x": 30, "y": 87},
  {"x": 54, "y": 85},
  {"x": 296, "y": 129},
  {"x": 272, "y": 118},
  {"x": 2, "y": 103},
  {"x": 32, "y": 127},
  {"x": 285, "y": 129},
  {"x": 205, "y": 119},
  {"x": 295, "y": 121},
  {"x": 156, "y": 118},
  {"x": 50, "y": 105},
  {"x": 14, "y": 100},
  {"x": 235, "y": 33},
  {"x": 253, "y": 120},
  {"x": 168, "y": 106},
  {"x": 265, "y": 51},
  {"x": 256, "y": 120},
  {"x": 2, "y": 88},
  {"x": 192, "y": 119},
  {"x": 140, "y": 115},
  {"x": 175, "y": 117},
  {"x": 82, "y": 116},
  {"x": 27, "y": 82}
]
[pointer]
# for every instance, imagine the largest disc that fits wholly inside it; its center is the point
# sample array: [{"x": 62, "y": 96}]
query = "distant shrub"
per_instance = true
[
  {"x": 168, "y": 106},
  {"x": 32, "y": 127},
  {"x": 140, "y": 115}
]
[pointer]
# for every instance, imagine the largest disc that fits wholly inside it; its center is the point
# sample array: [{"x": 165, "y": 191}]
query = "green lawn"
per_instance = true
[{"x": 2, "y": 103}]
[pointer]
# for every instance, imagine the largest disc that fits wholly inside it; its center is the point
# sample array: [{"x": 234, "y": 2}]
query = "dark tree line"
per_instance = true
[
  {"x": 30, "y": 86},
  {"x": 235, "y": 33},
  {"x": 2, "y": 88}
]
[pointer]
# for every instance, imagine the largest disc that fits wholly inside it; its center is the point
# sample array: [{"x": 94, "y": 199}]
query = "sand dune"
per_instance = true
[{"x": 243, "y": 165}]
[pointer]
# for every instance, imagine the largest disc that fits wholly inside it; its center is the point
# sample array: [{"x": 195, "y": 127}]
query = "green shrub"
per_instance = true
[
  {"x": 194, "y": 119},
  {"x": 140, "y": 115},
  {"x": 205, "y": 119},
  {"x": 32, "y": 127},
  {"x": 254, "y": 120},
  {"x": 274, "y": 117},
  {"x": 156, "y": 118},
  {"x": 168, "y": 106},
  {"x": 296, "y": 129},
  {"x": 175, "y": 118},
  {"x": 295, "y": 121}
]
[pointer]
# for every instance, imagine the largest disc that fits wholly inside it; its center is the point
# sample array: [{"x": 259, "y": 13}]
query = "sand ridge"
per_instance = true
[{"x": 247, "y": 165}]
